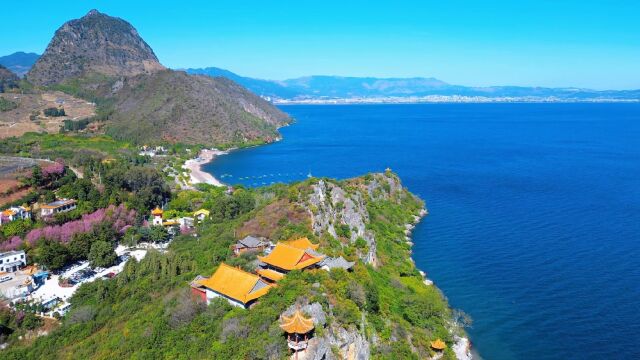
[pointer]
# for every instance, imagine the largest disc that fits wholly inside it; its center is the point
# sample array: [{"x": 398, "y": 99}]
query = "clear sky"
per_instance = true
[{"x": 583, "y": 43}]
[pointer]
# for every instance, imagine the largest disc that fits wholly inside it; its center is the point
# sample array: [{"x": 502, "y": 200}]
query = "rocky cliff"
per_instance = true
[
  {"x": 94, "y": 43},
  {"x": 332, "y": 206}
]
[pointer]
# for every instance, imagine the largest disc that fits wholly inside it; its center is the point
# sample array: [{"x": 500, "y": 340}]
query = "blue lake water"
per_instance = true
[{"x": 534, "y": 225}]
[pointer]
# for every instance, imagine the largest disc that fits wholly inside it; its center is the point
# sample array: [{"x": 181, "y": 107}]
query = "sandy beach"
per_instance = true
[{"x": 195, "y": 167}]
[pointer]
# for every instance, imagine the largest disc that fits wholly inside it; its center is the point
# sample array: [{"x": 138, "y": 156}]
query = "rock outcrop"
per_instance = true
[
  {"x": 95, "y": 43},
  {"x": 333, "y": 206}
]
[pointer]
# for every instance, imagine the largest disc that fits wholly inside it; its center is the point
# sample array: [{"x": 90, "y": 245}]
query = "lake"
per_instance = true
[{"x": 534, "y": 224}]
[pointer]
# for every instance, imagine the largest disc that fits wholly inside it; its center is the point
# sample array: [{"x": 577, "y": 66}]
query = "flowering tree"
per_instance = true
[
  {"x": 55, "y": 169},
  {"x": 118, "y": 216}
]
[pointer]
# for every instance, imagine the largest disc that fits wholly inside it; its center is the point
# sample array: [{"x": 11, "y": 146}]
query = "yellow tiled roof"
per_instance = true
[
  {"x": 270, "y": 274},
  {"x": 157, "y": 211},
  {"x": 288, "y": 257},
  {"x": 236, "y": 284},
  {"x": 302, "y": 243},
  {"x": 296, "y": 323},
  {"x": 204, "y": 212},
  {"x": 438, "y": 344}
]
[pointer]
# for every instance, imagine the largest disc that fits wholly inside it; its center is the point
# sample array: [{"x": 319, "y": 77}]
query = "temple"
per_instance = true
[
  {"x": 298, "y": 329},
  {"x": 284, "y": 258},
  {"x": 238, "y": 287},
  {"x": 157, "y": 216}
]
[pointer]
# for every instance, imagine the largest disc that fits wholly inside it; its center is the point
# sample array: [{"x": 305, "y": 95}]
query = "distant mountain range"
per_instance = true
[
  {"x": 338, "y": 87},
  {"x": 363, "y": 89},
  {"x": 19, "y": 62}
]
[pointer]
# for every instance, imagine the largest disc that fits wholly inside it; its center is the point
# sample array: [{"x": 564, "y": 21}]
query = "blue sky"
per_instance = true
[{"x": 594, "y": 44}]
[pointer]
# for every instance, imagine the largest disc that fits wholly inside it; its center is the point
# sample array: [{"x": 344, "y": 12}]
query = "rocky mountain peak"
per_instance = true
[{"x": 95, "y": 43}]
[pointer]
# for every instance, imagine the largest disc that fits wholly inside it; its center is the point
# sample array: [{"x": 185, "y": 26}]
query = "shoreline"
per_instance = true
[
  {"x": 462, "y": 344},
  {"x": 197, "y": 174}
]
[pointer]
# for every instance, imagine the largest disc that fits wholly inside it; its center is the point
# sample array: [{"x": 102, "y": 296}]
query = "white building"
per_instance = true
[
  {"x": 58, "y": 206},
  {"x": 11, "y": 261},
  {"x": 14, "y": 213}
]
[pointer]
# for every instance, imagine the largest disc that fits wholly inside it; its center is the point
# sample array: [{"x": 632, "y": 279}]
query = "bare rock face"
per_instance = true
[
  {"x": 332, "y": 206},
  {"x": 95, "y": 43}
]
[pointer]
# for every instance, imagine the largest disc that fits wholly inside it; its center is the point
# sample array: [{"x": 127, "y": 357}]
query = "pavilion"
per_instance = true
[{"x": 298, "y": 329}]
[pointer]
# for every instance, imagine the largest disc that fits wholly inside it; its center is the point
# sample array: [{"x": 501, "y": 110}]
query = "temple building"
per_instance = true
[
  {"x": 284, "y": 258},
  {"x": 302, "y": 243},
  {"x": 299, "y": 330},
  {"x": 156, "y": 216},
  {"x": 237, "y": 286}
]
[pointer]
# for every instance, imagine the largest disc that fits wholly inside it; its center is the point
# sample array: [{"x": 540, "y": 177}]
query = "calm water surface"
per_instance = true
[{"x": 534, "y": 225}]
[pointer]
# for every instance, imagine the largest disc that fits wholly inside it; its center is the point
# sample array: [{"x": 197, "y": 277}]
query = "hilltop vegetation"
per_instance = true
[{"x": 177, "y": 107}]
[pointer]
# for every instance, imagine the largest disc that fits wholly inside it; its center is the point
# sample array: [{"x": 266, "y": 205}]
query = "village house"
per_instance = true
[
  {"x": 15, "y": 213},
  {"x": 249, "y": 243},
  {"x": 58, "y": 206},
  {"x": 237, "y": 286},
  {"x": 284, "y": 258},
  {"x": 12, "y": 261}
]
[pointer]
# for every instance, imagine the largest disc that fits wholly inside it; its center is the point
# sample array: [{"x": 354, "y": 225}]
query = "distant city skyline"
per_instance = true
[{"x": 593, "y": 44}]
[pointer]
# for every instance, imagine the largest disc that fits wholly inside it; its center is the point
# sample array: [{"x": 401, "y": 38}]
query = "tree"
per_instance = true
[
  {"x": 80, "y": 245},
  {"x": 102, "y": 254},
  {"x": 52, "y": 254},
  {"x": 36, "y": 176},
  {"x": 16, "y": 227},
  {"x": 158, "y": 234}
]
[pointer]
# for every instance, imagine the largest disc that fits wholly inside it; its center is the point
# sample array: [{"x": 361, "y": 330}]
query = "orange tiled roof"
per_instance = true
[
  {"x": 296, "y": 323},
  {"x": 8, "y": 212},
  {"x": 236, "y": 284},
  {"x": 157, "y": 211},
  {"x": 302, "y": 243},
  {"x": 288, "y": 257},
  {"x": 270, "y": 274}
]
